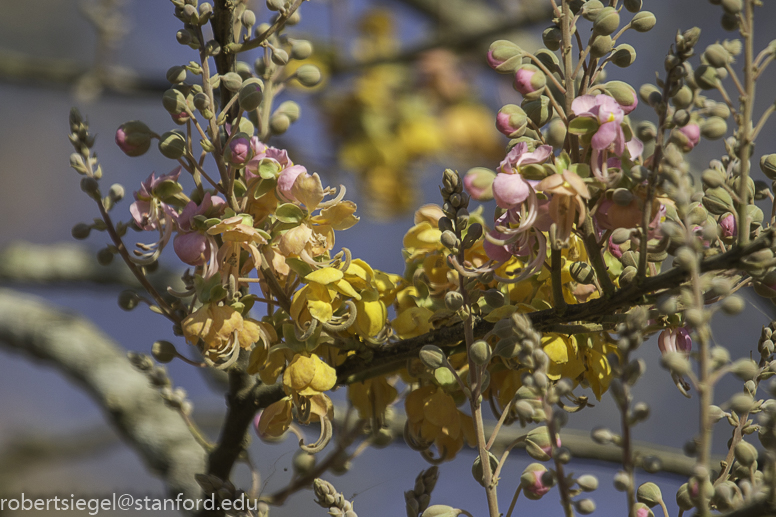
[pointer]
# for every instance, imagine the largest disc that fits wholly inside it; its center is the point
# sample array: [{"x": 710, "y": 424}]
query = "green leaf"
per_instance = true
[
  {"x": 239, "y": 188},
  {"x": 583, "y": 125},
  {"x": 445, "y": 377},
  {"x": 167, "y": 188},
  {"x": 563, "y": 160},
  {"x": 264, "y": 186},
  {"x": 289, "y": 213},
  {"x": 269, "y": 169},
  {"x": 580, "y": 169},
  {"x": 299, "y": 266}
]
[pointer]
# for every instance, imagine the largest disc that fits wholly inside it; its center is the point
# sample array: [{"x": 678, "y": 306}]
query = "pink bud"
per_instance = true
[
  {"x": 286, "y": 180},
  {"x": 529, "y": 79},
  {"x": 693, "y": 134},
  {"x": 729, "y": 226},
  {"x": 133, "y": 138},
  {"x": 537, "y": 488},
  {"x": 239, "y": 151},
  {"x": 191, "y": 248}
]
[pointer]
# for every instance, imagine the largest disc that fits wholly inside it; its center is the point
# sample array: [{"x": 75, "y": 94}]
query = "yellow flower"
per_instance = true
[
  {"x": 274, "y": 420},
  {"x": 308, "y": 376},
  {"x": 412, "y": 322},
  {"x": 221, "y": 329},
  {"x": 434, "y": 419},
  {"x": 372, "y": 397},
  {"x": 564, "y": 358}
]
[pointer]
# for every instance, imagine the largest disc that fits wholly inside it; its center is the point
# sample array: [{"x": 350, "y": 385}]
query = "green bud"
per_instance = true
[
  {"x": 582, "y": 273},
  {"x": 717, "y": 56},
  {"x": 683, "y": 500},
  {"x": 622, "y": 481},
  {"x": 719, "y": 109},
  {"x": 649, "y": 494},
  {"x": 290, "y": 109},
  {"x": 732, "y": 6},
  {"x": 280, "y": 57},
  {"x": 624, "y": 55},
  {"x": 231, "y": 81},
  {"x": 432, "y": 357},
  {"x": 303, "y": 462},
  {"x": 183, "y": 36},
  {"x": 706, "y": 77},
  {"x": 172, "y": 144},
  {"x": 733, "y": 305},
  {"x": 713, "y": 128},
  {"x": 279, "y": 123},
  {"x": 91, "y": 187},
  {"x": 308, "y": 75},
  {"x": 602, "y": 436},
  {"x": 717, "y": 201},
  {"x": 248, "y": 18},
  {"x": 174, "y": 101},
  {"x": 683, "y": 97},
  {"x": 81, "y": 231},
  {"x": 592, "y": 9},
  {"x": 556, "y": 133},
  {"x": 480, "y": 352},
  {"x": 453, "y": 300},
  {"x": 477, "y": 470},
  {"x": 512, "y": 121},
  {"x": 552, "y": 38},
  {"x": 745, "y": 453},
  {"x": 676, "y": 363},
  {"x": 163, "y": 351},
  {"x": 639, "y": 509},
  {"x": 741, "y": 403},
  {"x": 585, "y": 506},
  {"x": 607, "y": 21},
  {"x": 128, "y": 300},
  {"x": 633, "y": 6},
  {"x": 539, "y": 110},
  {"x": 528, "y": 478},
  {"x": 768, "y": 166},
  {"x": 301, "y": 49},
  {"x": 504, "y": 56},
  {"x": 744, "y": 369},
  {"x": 601, "y": 46},
  {"x": 176, "y": 74},
  {"x": 587, "y": 482},
  {"x": 105, "y": 257},
  {"x": 650, "y": 94},
  {"x": 251, "y": 94},
  {"x": 713, "y": 178},
  {"x": 646, "y": 131},
  {"x": 438, "y": 510},
  {"x": 643, "y": 21}
]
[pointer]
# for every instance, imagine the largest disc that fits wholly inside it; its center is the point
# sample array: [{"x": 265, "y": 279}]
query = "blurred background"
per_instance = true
[{"x": 406, "y": 94}]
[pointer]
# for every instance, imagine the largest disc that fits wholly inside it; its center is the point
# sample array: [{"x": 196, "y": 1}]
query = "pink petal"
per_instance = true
[
  {"x": 583, "y": 104},
  {"x": 538, "y": 156},
  {"x": 605, "y": 135},
  {"x": 510, "y": 190}
]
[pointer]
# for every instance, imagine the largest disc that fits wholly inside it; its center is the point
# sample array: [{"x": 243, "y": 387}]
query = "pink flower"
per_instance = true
[
  {"x": 518, "y": 156},
  {"x": 728, "y": 226},
  {"x": 608, "y": 114},
  {"x": 510, "y": 190},
  {"x": 262, "y": 153},
  {"x": 287, "y": 179},
  {"x": 192, "y": 248},
  {"x": 148, "y": 210},
  {"x": 211, "y": 206},
  {"x": 615, "y": 249},
  {"x": 479, "y": 183},
  {"x": 675, "y": 340},
  {"x": 133, "y": 138}
]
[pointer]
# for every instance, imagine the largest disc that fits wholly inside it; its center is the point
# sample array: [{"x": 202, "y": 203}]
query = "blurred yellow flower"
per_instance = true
[{"x": 308, "y": 376}]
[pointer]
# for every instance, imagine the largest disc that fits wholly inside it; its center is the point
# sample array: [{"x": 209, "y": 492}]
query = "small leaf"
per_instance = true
[
  {"x": 269, "y": 169},
  {"x": 264, "y": 186},
  {"x": 583, "y": 125},
  {"x": 289, "y": 213}
]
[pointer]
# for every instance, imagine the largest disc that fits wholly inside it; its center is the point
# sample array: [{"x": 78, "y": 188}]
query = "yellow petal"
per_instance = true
[
  {"x": 339, "y": 216},
  {"x": 300, "y": 373},
  {"x": 322, "y": 311},
  {"x": 344, "y": 287},
  {"x": 294, "y": 240},
  {"x": 324, "y": 276},
  {"x": 308, "y": 190},
  {"x": 370, "y": 318},
  {"x": 274, "y": 420},
  {"x": 412, "y": 322},
  {"x": 325, "y": 376}
]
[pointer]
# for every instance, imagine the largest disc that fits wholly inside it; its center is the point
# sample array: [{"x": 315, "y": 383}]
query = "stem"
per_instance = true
[
  {"x": 514, "y": 500},
  {"x": 627, "y": 452},
  {"x": 568, "y": 66},
  {"x": 595, "y": 256},
  {"x": 745, "y": 130},
  {"x": 565, "y": 496},
  {"x": 235, "y": 48}
]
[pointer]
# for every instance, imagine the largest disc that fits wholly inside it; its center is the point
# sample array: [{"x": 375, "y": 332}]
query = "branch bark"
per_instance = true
[{"x": 79, "y": 350}]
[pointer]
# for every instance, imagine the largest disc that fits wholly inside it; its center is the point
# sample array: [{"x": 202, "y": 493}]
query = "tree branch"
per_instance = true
[{"x": 84, "y": 354}]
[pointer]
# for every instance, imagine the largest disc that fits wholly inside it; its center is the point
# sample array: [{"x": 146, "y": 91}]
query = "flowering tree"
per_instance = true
[{"x": 602, "y": 235}]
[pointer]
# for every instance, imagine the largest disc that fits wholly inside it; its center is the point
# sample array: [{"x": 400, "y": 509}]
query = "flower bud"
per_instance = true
[
  {"x": 532, "y": 481},
  {"x": 706, "y": 77},
  {"x": 745, "y": 453},
  {"x": 480, "y": 352},
  {"x": 717, "y": 56},
  {"x": 81, "y": 231},
  {"x": 551, "y": 37},
  {"x": 308, "y": 75},
  {"x": 163, "y": 351},
  {"x": 479, "y": 182},
  {"x": 602, "y": 436},
  {"x": 174, "y": 101},
  {"x": 105, "y": 257},
  {"x": 607, "y": 21},
  {"x": 251, "y": 94},
  {"x": 649, "y": 494},
  {"x": 768, "y": 166},
  {"x": 439, "y": 510},
  {"x": 585, "y": 506},
  {"x": 248, "y": 18},
  {"x": 183, "y": 36},
  {"x": 511, "y": 120},
  {"x": 622, "y": 481},
  {"x": 733, "y": 305},
  {"x": 676, "y": 362},
  {"x": 592, "y": 9},
  {"x": 744, "y": 369},
  {"x": 504, "y": 56},
  {"x": 453, "y": 300},
  {"x": 587, "y": 482},
  {"x": 301, "y": 49},
  {"x": 134, "y": 138},
  {"x": 732, "y": 6},
  {"x": 633, "y": 6},
  {"x": 642, "y": 510},
  {"x": 529, "y": 81},
  {"x": 279, "y": 123},
  {"x": 477, "y": 470},
  {"x": 539, "y": 110},
  {"x": 601, "y": 46},
  {"x": 643, "y": 21},
  {"x": 128, "y": 300},
  {"x": 714, "y": 128},
  {"x": 624, "y": 55},
  {"x": 280, "y": 57},
  {"x": 172, "y": 144},
  {"x": 176, "y": 74},
  {"x": 741, "y": 403},
  {"x": 432, "y": 357},
  {"x": 231, "y": 81}
]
